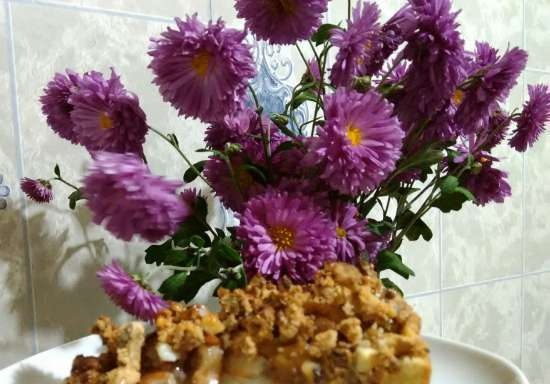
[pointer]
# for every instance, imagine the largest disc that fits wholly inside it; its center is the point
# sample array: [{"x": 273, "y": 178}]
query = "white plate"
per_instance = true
[{"x": 453, "y": 363}]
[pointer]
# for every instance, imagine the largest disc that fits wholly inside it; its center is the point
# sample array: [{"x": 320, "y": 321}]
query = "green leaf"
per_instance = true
[
  {"x": 223, "y": 251},
  {"x": 236, "y": 279},
  {"x": 197, "y": 241},
  {"x": 393, "y": 261},
  {"x": 173, "y": 287},
  {"x": 323, "y": 33},
  {"x": 74, "y": 197},
  {"x": 57, "y": 171},
  {"x": 380, "y": 228},
  {"x": 179, "y": 258},
  {"x": 190, "y": 175},
  {"x": 193, "y": 283},
  {"x": 391, "y": 285},
  {"x": 418, "y": 228},
  {"x": 469, "y": 195},
  {"x": 448, "y": 184},
  {"x": 450, "y": 202},
  {"x": 157, "y": 253},
  {"x": 201, "y": 208},
  {"x": 302, "y": 98}
]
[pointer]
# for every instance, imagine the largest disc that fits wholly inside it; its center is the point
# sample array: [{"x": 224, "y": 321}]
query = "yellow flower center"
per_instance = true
[
  {"x": 282, "y": 237},
  {"x": 341, "y": 232},
  {"x": 354, "y": 134},
  {"x": 200, "y": 63},
  {"x": 105, "y": 122},
  {"x": 458, "y": 97}
]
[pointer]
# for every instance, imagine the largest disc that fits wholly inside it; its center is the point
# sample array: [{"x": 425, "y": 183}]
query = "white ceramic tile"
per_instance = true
[
  {"x": 537, "y": 329},
  {"x": 537, "y": 33},
  {"x": 226, "y": 10},
  {"x": 165, "y": 8},
  {"x": 66, "y": 248},
  {"x": 498, "y": 22},
  {"x": 487, "y": 316},
  {"x": 15, "y": 296},
  {"x": 481, "y": 243},
  {"x": 537, "y": 196},
  {"x": 428, "y": 307}
]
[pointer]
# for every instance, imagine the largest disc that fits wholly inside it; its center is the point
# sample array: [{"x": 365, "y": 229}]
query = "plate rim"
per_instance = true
[{"x": 430, "y": 339}]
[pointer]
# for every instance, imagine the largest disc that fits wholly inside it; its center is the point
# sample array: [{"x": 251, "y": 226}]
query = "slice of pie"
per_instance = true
[{"x": 343, "y": 328}]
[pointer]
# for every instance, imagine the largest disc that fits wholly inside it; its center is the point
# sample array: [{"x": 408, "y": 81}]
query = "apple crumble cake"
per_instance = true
[{"x": 344, "y": 327}]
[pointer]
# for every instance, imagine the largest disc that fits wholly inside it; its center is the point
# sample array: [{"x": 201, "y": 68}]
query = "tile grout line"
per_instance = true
[
  {"x": 523, "y": 212},
  {"x": 16, "y": 120},
  {"x": 441, "y": 243},
  {"x": 479, "y": 283}
]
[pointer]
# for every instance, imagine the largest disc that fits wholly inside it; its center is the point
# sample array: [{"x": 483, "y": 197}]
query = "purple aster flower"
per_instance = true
[
  {"x": 351, "y": 232},
  {"x": 353, "y": 42},
  {"x": 360, "y": 142},
  {"x": 202, "y": 70},
  {"x": 436, "y": 52},
  {"x": 285, "y": 234},
  {"x": 56, "y": 106},
  {"x": 495, "y": 132},
  {"x": 232, "y": 129},
  {"x": 492, "y": 83},
  {"x": 282, "y": 21},
  {"x": 106, "y": 116},
  {"x": 386, "y": 41},
  {"x": 488, "y": 183},
  {"x": 129, "y": 200},
  {"x": 130, "y": 293},
  {"x": 38, "y": 190},
  {"x": 313, "y": 69},
  {"x": 535, "y": 114},
  {"x": 484, "y": 55},
  {"x": 233, "y": 190}
]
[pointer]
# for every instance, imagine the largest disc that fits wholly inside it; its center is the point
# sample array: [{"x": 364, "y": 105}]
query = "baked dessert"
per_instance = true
[{"x": 344, "y": 327}]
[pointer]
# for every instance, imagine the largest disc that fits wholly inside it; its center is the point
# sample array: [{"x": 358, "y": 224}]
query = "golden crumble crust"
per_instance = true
[{"x": 344, "y": 327}]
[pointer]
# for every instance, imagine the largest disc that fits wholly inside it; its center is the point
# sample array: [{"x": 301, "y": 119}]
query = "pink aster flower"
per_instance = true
[
  {"x": 38, "y": 190},
  {"x": 282, "y": 21},
  {"x": 351, "y": 232},
  {"x": 202, "y": 70},
  {"x": 285, "y": 234},
  {"x": 129, "y": 200},
  {"x": 360, "y": 142},
  {"x": 233, "y": 190},
  {"x": 56, "y": 106},
  {"x": 129, "y": 293},
  {"x": 531, "y": 122},
  {"x": 106, "y": 116},
  {"x": 354, "y": 43}
]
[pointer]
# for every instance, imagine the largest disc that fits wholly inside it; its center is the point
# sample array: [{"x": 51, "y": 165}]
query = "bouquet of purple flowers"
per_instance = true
[{"x": 405, "y": 120}]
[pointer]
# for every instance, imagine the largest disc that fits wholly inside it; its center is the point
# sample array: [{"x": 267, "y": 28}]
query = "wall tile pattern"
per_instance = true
[{"x": 483, "y": 279}]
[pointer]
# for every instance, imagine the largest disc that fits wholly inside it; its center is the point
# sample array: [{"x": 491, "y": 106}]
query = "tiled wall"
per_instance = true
[{"x": 484, "y": 279}]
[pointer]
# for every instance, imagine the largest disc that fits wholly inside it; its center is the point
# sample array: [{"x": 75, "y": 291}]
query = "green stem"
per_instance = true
[
  {"x": 302, "y": 55},
  {"x": 349, "y": 9},
  {"x": 266, "y": 136},
  {"x": 66, "y": 183},
  {"x": 321, "y": 89},
  {"x": 167, "y": 139}
]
